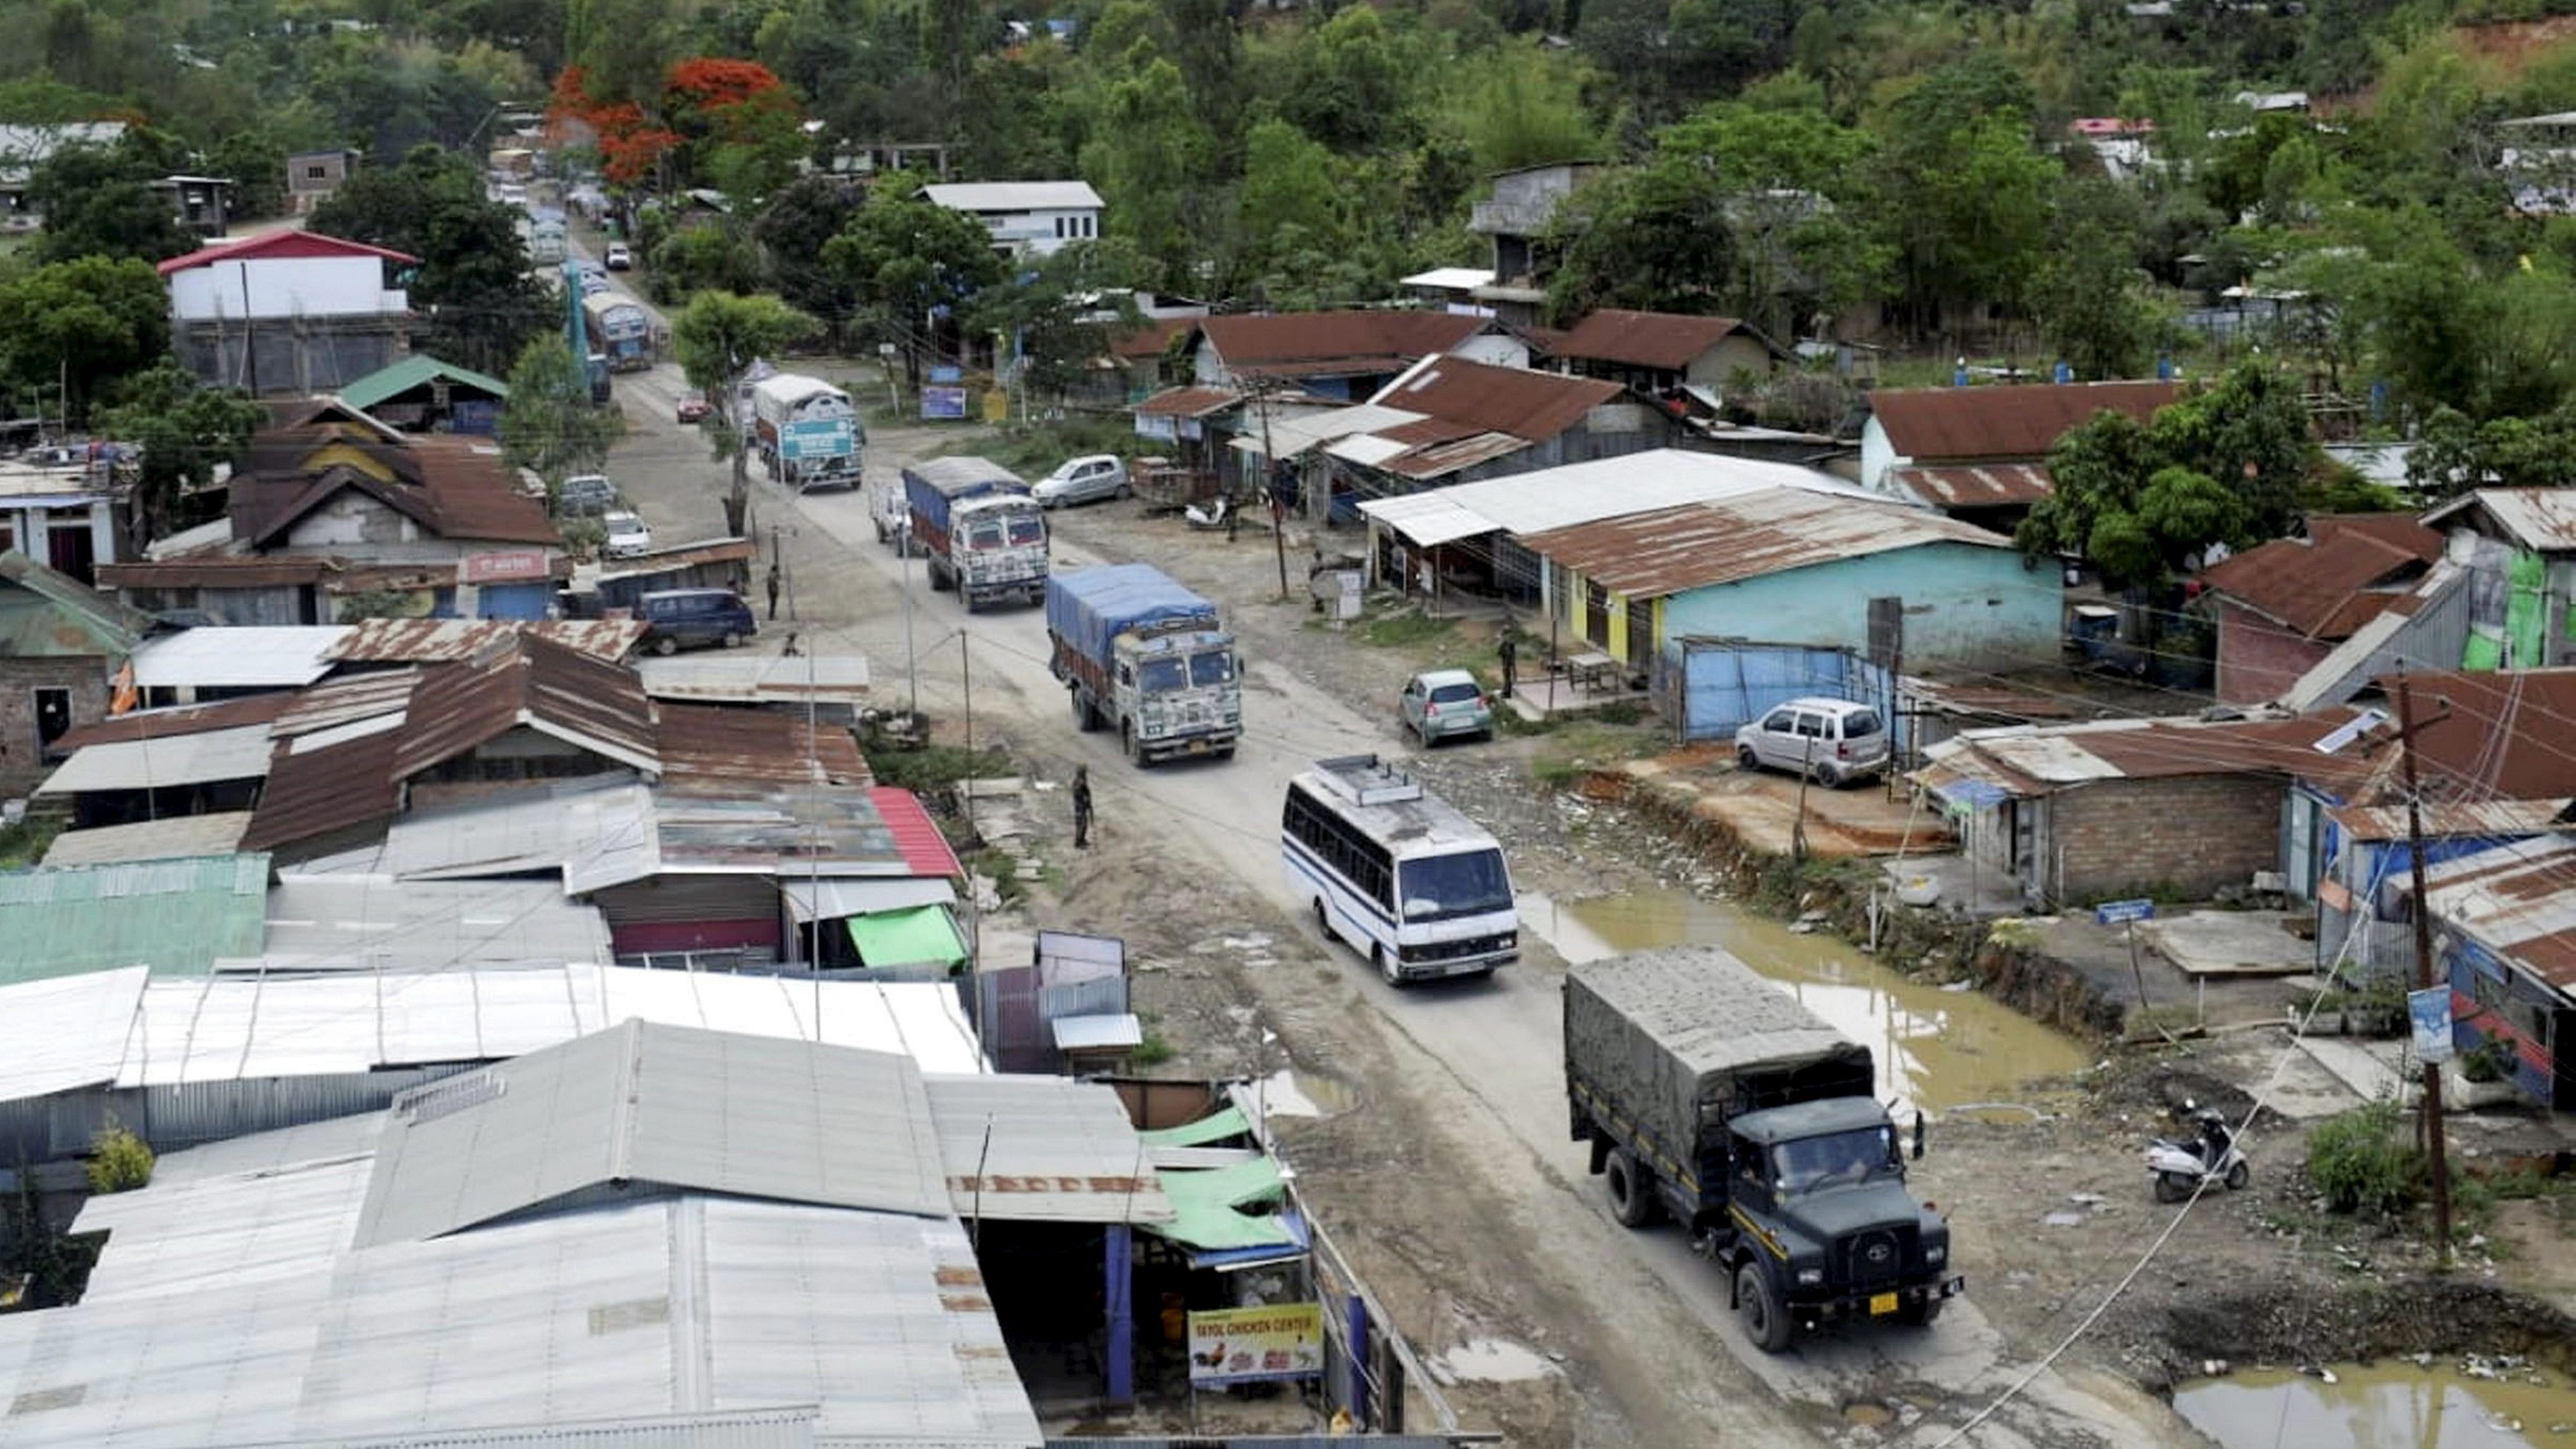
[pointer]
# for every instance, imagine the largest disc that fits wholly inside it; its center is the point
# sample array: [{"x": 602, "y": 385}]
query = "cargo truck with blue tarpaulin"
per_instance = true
[
  {"x": 1713, "y": 1095},
  {"x": 977, "y": 529},
  {"x": 1139, "y": 652}
]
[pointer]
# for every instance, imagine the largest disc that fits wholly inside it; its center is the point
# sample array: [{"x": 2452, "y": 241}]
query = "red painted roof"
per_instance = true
[
  {"x": 284, "y": 244},
  {"x": 915, "y": 833}
]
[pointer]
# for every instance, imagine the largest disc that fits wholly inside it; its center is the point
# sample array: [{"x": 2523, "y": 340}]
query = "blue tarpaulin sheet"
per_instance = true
[{"x": 1090, "y": 607}]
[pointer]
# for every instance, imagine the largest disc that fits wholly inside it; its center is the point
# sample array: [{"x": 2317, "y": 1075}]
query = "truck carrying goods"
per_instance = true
[
  {"x": 977, "y": 529},
  {"x": 1137, "y": 650},
  {"x": 619, "y": 328},
  {"x": 1709, "y": 1093},
  {"x": 807, "y": 432}
]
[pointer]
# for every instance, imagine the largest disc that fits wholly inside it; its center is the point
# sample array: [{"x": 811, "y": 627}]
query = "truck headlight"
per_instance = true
[
  {"x": 1810, "y": 1277},
  {"x": 1936, "y": 1254}
]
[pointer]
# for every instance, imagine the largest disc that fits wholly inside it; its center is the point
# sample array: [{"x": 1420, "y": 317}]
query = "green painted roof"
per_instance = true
[
  {"x": 1206, "y": 1203},
  {"x": 908, "y": 936},
  {"x": 59, "y": 616},
  {"x": 413, "y": 371},
  {"x": 175, "y": 916}
]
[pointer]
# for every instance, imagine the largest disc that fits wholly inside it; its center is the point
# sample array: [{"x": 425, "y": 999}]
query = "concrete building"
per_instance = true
[
  {"x": 1517, "y": 218},
  {"x": 287, "y": 313},
  {"x": 61, "y": 645},
  {"x": 311, "y": 177},
  {"x": 1026, "y": 218}
]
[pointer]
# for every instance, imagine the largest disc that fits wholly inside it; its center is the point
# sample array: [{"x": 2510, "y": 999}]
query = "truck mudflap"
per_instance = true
[{"x": 1884, "y": 1304}]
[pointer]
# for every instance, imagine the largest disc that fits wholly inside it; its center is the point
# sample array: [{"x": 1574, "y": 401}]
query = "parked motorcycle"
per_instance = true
[{"x": 2179, "y": 1167}]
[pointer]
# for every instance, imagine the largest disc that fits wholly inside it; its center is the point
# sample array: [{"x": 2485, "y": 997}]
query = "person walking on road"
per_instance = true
[
  {"x": 773, "y": 593},
  {"x": 1507, "y": 653},
  {"x": 1082, "y": 807}
]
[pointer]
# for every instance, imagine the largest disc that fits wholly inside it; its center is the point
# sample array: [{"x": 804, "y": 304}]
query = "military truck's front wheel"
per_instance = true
[
  {"x": 1921, "y": 1314},
  {"x": 1764, "y": 1322},
  {"x": 1632, "y": 1192}
]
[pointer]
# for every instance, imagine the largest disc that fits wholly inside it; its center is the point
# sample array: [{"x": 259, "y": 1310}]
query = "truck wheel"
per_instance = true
[
  {"x": 1083, "y": 719},
  {"x": 1764, "y": 1321},
  {"x": 1921, "y": 1314},
  {"x": 1632, "y": 1190}
]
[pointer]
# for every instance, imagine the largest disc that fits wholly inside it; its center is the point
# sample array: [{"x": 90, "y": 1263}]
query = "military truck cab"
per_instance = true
[{"x": 1819, "y": 1224}]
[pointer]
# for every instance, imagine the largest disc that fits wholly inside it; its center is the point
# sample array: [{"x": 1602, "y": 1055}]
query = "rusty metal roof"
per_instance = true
[
  {"x": 1534, "y": 406},
  {"x": 670, "y": 560},
  {"x": 455, "y": 487},
  {"x": 1439, "y": 459},
  {"x": 2540, "y": 519},
  {"x": 2504, "y": 738},
  {"x": 1188, "y": 402},
  {"x": 2331, "y": 583},
  {"x": 220, "y": 571},
  {"x": 438, "y": 641},
  {"x": 2515, "y": 901},
  {"x": 1670, "y": 341},
  {"x": 1150, "y": 338},
  {"x": 1290, "y": 344},
  {"x": 1999, "y": 485},
  {"x": 584, "y": 701},
  {"x": 314, "y": 790},
  {"x": 1770, "y": 531},
  {"x": 2022, "y": 421},
  {"x": 2030, "y": 760},
  {"x": 707, "y": 741},
  {"x": 2501, "y": 818},
  {"x": 186, "y": 719},
  {"x": 346, "y": 700}
]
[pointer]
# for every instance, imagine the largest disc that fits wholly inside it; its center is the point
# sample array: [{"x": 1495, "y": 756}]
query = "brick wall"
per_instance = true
[
  {"x": 2258, "y": 659},
  {"x": 22, "y": 767},
  {"x": 2193, "y": 833}
]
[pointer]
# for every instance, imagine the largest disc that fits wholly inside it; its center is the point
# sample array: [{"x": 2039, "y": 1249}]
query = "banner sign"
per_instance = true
[
  {"x": 817, "y": 438},
  {"x": 2429, "y": 1012},
  {"x": 1249, "y": 1345},
  {"x": 2120, "y": 913},
  {"x": 503, "y": 565},
  {"x": 943, "y": 402}
]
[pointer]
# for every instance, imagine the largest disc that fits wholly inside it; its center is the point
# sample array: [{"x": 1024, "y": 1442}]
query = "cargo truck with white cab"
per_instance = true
[
  {"x": 806, "y": 432},
  {"x": 977, "y": 530},
  {"x": 1139, "y": 652}
]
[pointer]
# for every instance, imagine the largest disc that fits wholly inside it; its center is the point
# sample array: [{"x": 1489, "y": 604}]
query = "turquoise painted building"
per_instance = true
[{"x": 1795, "y": 565}]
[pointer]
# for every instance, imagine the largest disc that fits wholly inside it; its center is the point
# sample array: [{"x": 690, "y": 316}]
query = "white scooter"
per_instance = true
[{"x": 2179, "y": 1168}]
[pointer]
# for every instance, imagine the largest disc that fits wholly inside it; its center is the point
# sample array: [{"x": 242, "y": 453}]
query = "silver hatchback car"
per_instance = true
[
  {"x": 1438, "y": 703},
  {"x": 1835, "y": 740},
  {"x": 1082, "y": 480}
]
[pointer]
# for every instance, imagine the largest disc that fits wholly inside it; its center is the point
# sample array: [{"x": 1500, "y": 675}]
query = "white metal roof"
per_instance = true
[
  {"x": 526, "y": 830},
  {"x": 245, "y": 657},
  {"x": 1084, "y": 1033},
  {"x": 863, "y": 896},
  {"x": 1014, "y": 195},
  {"x": 1428, "y": 519},
  {"x": 746, "y": 678},
  {"x": 2537, "y": 518},
  {"x": 643, "y": 1104},
  {"x": 1043, "y": 1149},
  {"x": 68, "y": 1031},
  {"x": 1366, "y": 449},
  {"x": 1290, "y": 437},
  {"x": 375, "y": 923},
  {"x": 1456, "y": 279},
  {"x": 240, "y": 753},
  {"x": 1528, "y": 503},
  {"x": 218, "y": 833}
]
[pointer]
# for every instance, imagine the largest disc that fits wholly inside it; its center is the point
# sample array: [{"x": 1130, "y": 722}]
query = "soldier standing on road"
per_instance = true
[
  {"x": 773, "y": 592},
  {"x": 1506, "y": 653},
  {"x": 1082, "y": 807}
]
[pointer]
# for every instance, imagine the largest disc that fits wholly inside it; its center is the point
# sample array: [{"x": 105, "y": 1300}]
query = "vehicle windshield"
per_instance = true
[
  {"x": 1443, "y": 887},
  {"x": 1027, "y": 530},
  {"x": 1454, "y": 694},
  {"x": 1162, "y": 676},
  {"x": 1213, "y": 667},
  {"x": 1837, "y": 1159},
  {"x": 984, "y": 535}
]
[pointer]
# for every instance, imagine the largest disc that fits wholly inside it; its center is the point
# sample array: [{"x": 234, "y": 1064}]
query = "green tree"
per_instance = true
[
  {"x": 254, "y": 161},
  {"x": 1147, "y": 154},
  {"x": 1060, "y": 318},
  {"x": 792, "y": 230},
  {"x": 183, "y": 432},
  {"x": 99, "y": 201},
  {"x": 550, "y": 426},
  {"x": 1655, "y": 238},
  {"x": 1349, "y": 85},
  {"x": 718, "y": 335},
  {"x": 1797, "y": 196},
  {"x": 2455, "y": 453},
  {"x": 905, "y": 258},
  {"x": 2091, "y": 300},
  {"x": 82, "y": 323},
  {"x": 473, "y": 283},
  {"x": 1516, "y": 105},
  {"x": 1291, "y": 197}
]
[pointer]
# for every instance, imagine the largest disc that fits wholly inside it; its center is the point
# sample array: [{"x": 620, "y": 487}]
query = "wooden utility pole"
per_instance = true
[{"x": 2434, "y": 1148}]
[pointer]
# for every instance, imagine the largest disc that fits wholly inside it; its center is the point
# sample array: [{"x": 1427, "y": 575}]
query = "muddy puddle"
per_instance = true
[
  {"x": 2381, "y": 1406},
  {"x": 1942, "y": 1049},
  {"x": 1291, "y": 1093}
]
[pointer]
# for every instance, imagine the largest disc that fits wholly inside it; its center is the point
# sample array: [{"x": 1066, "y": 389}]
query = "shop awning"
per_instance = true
[
  {"x": 914, "y": 934},
  {"x": 863, "y": 895},
  {"x": 1214, "y": 1127},
  {"x": 1206, "y": 1208}
]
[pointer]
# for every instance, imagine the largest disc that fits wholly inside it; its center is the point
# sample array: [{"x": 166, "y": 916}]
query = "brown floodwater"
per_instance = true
[
  {"x": 1939, "y": 1049},
  {"x": 2381, "y": 1406}
]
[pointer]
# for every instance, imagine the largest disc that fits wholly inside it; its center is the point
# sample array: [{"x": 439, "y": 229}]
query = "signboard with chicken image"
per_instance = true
[{"x": 1250, "y": 1345}]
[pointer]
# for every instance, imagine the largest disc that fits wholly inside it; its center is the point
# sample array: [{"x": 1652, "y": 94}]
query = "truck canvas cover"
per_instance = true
[
  {"x": 1671, "y": 1030},
  {"x": 955, "y": 478},
  {"x": 1092, "y": 606}
]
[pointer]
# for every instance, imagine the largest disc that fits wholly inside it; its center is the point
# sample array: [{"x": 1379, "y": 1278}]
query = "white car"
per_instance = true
[
  {"x": 1082, "y": 480},
  {"x": 627, "y": 535},
  {"x": 1834, "y": 740},
  {"x": 618, "y": 257}
]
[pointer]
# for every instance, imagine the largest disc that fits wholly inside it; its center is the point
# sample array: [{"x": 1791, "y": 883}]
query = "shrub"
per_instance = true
[
  {"x": 2360, "y": 1163},
  {"x": 118, "y": 1160}
]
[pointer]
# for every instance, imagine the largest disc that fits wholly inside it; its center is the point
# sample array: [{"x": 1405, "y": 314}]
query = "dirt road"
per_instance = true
[{"x": 1449, "y": 1175}]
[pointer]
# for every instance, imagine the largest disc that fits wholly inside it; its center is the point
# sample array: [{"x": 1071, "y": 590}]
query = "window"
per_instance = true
[
  {"x": 53, "y": 718},
  {"x": 1215, "y": 667},
  {"x": 1027, "y": 531},
  {"x": 1781, "y": 722},
  {"x": 1161, "y": 676},
  {"x": 316, "y": 172},
  {"x": 1344, "y": 850},
  {"x": 1810, "y": 726},
  {"x": 1860, "y": 724},
  {"x": 1443, "y": 887}
]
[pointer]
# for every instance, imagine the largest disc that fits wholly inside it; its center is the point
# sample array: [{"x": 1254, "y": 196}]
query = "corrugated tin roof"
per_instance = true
[
  {"x": 374, "y": 923},
  {"x": 718, "y": 744},
  {"x": 186, "y": 719},
  {"x": 68, "y": 1031},
  {"x": 662, "y": 1105},
  {"x": 745, "y": 678},
  {"x": 448, "y": 641},
  {"x": 840, "y": 898},
  {"x": 1997, "y": 485},
  {"x": 2456, "y": 817},
  {"x": 1014, "y": 195},
  {"x": 1551, "y": 498},
  {"x": 1438, "y": 460},
  {"x": 1774, "y": 531},
  {"x": 1481, "y": 397},
  {"x": 74, "y": 620},
  {"x": 1666, "y": 340},
  {"x": 1428, "y": 519},
  {"x": 192, "y": 759},
  {"x": 1189, "y": 402},
  {"x": 314, "y": 791},
  {"x": 1150, "y": 338},
  {"x": 2331, "y": 583},
  {"x": 2036, "y": 759},
  {"x": 574, "y": 697},
  {"x": 647, "y": 564},
  {"x": 2540, "y": 519},
  {"x": 1450, "y": 279},
  {"x": 924, "y": 849},
  {"x": 2515, "y": 901},
  {"x": 528, "y": 830},
  {"x": 1929, "y": 424},
  {"x": 216, "y": 834},
  {"x": 175, "y": 916},
  {"x": 1328, "y": 343},
  {"x": 249, "y": 571},
  {"x": 243, "y": 657},
  {"x": 1043, "y": 1149},
  {"x": 1292, "y": 437},
  {"x": 418, "y": 370}
]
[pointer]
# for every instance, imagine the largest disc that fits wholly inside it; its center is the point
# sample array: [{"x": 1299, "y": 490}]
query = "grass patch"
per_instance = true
[
  {"x": 1033, "y": 450},
  {"x": 1579, "y": 744},
  {"x": 1404, "y": 629},
  {"x": 26, "y": 842},
  {"x": 932, "y": 767},
  {"x": 1003, "y": 869},
  {"x": 1156, "y": 1048}
]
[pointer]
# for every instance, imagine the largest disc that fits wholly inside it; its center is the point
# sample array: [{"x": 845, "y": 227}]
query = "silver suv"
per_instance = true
[{"x": 1833, "y": 739}]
